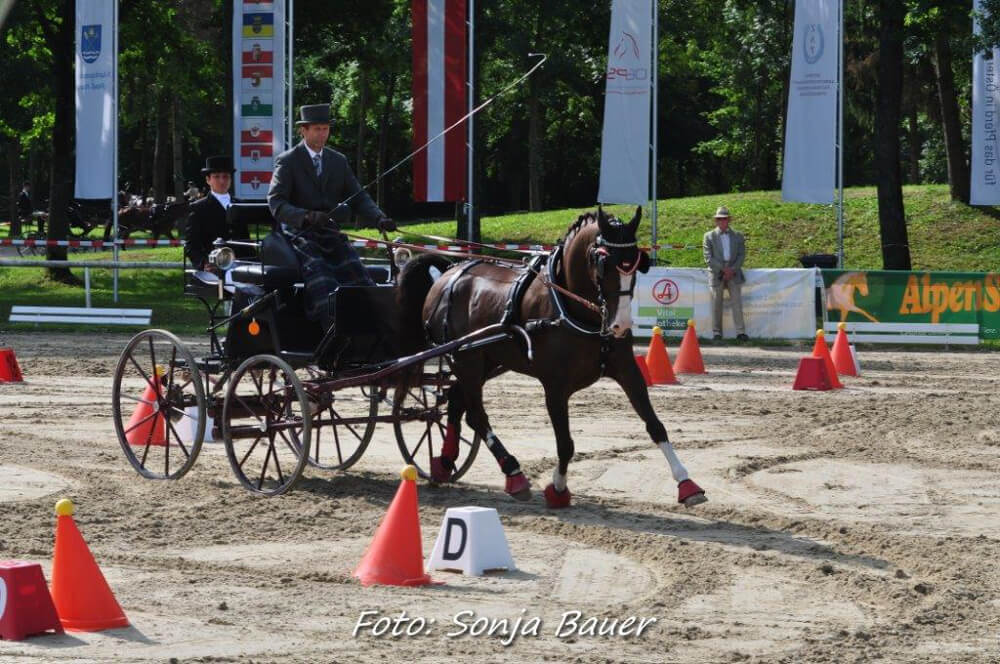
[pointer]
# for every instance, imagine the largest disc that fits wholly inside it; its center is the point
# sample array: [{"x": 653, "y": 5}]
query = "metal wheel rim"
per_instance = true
[
  {"x": 138, "y": 457},
  {"x": 300, "y": 448},
  {"x": 360, "y": 434}
]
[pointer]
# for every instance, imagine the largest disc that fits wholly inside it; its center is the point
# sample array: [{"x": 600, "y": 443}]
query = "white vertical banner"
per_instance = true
[
  {"x": 627, "y": 99},
  {"x": 96, "y": 98},
  {"x": 258, "y": 94},
  {"x": 811, "y": 124},
  {"x": 985, "y": 189}
]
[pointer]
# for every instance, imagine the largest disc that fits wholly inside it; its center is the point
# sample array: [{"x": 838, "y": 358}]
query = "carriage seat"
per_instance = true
[{"x": 280, "y": 267}]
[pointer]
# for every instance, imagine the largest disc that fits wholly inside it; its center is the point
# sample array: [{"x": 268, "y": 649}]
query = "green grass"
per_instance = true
[{"x": 943, "y": 236}]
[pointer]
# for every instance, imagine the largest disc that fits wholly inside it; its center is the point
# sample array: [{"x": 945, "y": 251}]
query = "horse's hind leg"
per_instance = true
[
  {"x": 443, "y": 466},
  {"x": 471, "y": 379},
  {"x": 626, "y": 373},
  {"x": 557, "y": 494}
]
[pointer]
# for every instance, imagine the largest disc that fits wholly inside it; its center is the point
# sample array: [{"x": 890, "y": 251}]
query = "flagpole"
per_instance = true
[
  {"x": 290, "y": 74},
  {"x": 114, "y": 125},
  {"x": 654, "y": 48},
  {"x": 470, "y": 193},
  {"x": 840, "y": 137}
]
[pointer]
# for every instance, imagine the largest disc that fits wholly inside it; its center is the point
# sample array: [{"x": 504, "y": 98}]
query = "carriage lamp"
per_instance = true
[
  {"x": 222, "y": 258},
  {"x": 253, "y": 328}
]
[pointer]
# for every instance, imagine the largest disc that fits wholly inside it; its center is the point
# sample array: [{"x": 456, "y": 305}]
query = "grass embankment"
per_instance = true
[{"x": 943, "y": 236}]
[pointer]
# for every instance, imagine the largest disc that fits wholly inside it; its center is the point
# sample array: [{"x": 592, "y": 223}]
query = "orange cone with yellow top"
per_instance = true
[
  {"x": 821, "y": 351},
  {"x": 147, "y": 424},
  {"x": 83, "y": 599},
  {"x": 844, "y": 358},
  {"x": 689, "y": 359},
  {"x": 396, "y": 556},
  {"x": 658, "y": 360}
]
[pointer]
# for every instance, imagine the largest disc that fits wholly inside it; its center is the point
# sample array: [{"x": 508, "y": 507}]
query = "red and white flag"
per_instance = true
[{"x": 439, "y": 99}]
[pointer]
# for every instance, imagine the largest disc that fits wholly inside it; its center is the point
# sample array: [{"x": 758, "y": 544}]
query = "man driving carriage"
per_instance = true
[{"x": 310, "y": 182}]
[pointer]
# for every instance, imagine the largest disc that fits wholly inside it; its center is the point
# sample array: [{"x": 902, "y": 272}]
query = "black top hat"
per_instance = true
[
  {"x": 218, "y": 164},
  {"x": 315, "y": 114}
]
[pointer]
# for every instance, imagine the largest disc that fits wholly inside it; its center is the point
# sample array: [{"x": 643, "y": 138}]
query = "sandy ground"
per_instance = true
[{"x": 844, "y": 526}]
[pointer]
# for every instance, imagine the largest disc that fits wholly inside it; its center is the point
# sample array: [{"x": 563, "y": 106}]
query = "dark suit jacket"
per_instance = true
[
  {"x": 24, "y": 204},
  {"x": 295, "y": 189},
  {"x": 206, "y": 222}
]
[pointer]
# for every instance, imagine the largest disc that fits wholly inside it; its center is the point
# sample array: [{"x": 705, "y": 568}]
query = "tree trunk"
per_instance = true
[
  {"x": 160, "y": 160},
  {"x": 891, "y": 216},
  {"x": 535, "y": 166},
  {"x": 363, "y": 94},
  {"x": 383, "y": 138},
  {"x": 176, "y": 124},
  {"x": 951, "y": 121},
  {"x": 63, "y": 161}
]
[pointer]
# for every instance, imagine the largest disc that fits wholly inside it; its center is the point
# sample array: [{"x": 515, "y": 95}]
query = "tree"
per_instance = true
[{"x": 891, "y": 216}]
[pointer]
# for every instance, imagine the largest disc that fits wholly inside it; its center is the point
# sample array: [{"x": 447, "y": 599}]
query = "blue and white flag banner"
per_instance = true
[
  {"x": 96, "y": 98},
  {"x": 625, "y": 147},
  {"x": 258, "y": 94},
  {"x": 985, "y": 189},
  {"x": 811, "y": 126}
]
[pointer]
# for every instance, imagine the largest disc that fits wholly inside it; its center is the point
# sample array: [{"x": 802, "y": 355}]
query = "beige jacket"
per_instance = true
[{"x": 711, "y": 247}]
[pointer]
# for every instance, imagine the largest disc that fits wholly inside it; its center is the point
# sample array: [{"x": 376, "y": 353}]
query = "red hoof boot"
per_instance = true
[
  {"x": 441, "y": 469},
  {"x": 557, "y": 499},
  {"x": 518, "y": 487},
  {"x": 690, "y": 494}
]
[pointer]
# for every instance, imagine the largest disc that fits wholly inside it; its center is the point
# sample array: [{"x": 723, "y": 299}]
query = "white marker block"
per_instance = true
[
  {"x": 471, "y": 540},
  {"x": 187, "y": 426}
]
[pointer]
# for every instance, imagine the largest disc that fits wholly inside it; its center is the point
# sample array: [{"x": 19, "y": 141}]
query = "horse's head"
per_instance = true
[
  {"x": 612, "y": 260},
  {"x": 860, "y": 281}
]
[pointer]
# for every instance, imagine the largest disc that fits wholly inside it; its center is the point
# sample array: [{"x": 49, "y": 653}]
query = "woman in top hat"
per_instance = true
[
  {"x": 310, "y": 181},
  {"x": 208, "y": 218}
]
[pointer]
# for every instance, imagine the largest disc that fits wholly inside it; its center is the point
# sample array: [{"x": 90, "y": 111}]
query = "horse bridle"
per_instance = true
[{"x": 602, "y": 252}]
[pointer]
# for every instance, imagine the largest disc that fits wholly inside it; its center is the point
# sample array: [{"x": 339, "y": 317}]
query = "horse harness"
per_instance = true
[{"x": 603, "y": 252}]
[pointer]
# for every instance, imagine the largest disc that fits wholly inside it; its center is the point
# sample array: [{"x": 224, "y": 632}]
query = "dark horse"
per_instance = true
[{"x": 570, "y": 326}]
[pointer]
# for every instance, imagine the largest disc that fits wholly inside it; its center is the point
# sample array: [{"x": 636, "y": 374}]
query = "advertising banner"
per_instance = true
[
  {"x": 96, "y": 98},
  {"x": 933, "y": 298},
  {"x": 258, "y": 94},
  {"x": 985, "y": 186},
  {"x": 777, "y": 304},
  {"x": 625, "y": 138},
  {"x": 810, "y": 131}
]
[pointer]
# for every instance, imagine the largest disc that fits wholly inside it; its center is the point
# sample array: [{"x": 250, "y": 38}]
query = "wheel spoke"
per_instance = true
[
  {"x": 180, "y": 443},
  {"x": 141, "y": 422},
  {"x": 267, "y": 459},
  {"x": 250, "y": 451}
]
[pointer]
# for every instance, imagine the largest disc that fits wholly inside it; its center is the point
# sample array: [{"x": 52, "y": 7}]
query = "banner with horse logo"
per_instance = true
[
  {"x": 625, "y": 142},
  {"x": 96, "y": 98},
  {"x": 933, "y": 298},
  {"x": 258, "y": 94},
  {"x": 811, "y": 128},
  {"x": 777, "y": 304}
]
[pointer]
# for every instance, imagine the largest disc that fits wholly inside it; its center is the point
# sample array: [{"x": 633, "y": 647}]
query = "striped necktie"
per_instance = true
[{"x": 318, "y": 164}]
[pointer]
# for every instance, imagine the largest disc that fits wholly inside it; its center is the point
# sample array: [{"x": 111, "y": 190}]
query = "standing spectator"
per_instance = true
[
  {"x": 24, "y": 209},
  {"x": 724, "y": 250}
]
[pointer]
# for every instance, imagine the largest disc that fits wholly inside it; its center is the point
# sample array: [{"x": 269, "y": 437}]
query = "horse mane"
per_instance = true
[{"x": 584, "y": 219}]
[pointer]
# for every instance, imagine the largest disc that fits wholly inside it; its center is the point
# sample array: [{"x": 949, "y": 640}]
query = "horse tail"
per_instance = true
[{"x": 414, "y": 283}]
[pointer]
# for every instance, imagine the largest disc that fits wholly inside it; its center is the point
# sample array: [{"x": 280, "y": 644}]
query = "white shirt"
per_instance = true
[
  {"x": 726, "y": 252},
  {"x": 313, "y": 155},
  {"x": 224, "y": 199}
]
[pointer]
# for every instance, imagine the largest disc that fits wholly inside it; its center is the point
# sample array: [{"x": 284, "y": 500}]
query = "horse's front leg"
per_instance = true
[
  {"x": 443, "y": 466},
  {"x": 623, "y": 369},
  {"x": 557, "y": 494}
]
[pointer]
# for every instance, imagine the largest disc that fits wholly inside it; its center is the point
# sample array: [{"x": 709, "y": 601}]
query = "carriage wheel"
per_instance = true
[
  {"x": 422, "y": 418},
  {"x": 266, "y": 425},
  {"x": 158, "y": 402},
  {"x": 343, "y": 425}
]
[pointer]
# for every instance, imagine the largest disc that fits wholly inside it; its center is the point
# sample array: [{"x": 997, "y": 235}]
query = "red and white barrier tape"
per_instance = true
[{"x": 371, "y": 244}]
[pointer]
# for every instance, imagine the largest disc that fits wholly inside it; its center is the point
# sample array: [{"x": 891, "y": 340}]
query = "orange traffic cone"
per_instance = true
[
  {"x": 844, "y": 359},
  {"x": 812, "y": 375},
  {"x": 640, "y": 361},
  {"x": 658, "y": 361},
  {"x": 82, "y": 597},
  {"x": 821, "y": 351},
  {"x": 396, "y": 555},
  {"x": 10, "y": 372},
  {"x": 147, "y": 424},
  {"x": 689, "y": 356}
]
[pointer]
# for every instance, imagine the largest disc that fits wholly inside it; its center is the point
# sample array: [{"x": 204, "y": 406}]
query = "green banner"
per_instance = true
[{"x": 883, "y": 296}]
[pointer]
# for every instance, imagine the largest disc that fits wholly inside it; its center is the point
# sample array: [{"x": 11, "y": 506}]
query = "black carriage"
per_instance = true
[{"x": 279, "y": 391}]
